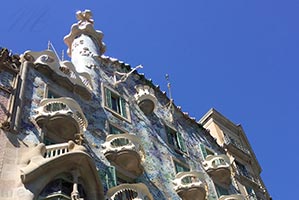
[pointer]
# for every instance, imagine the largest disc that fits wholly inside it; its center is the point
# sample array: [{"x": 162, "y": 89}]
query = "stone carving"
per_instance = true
[
  {"x": 84, "y": 26},
  {"x": 84, "y": 17},
  {"x": 12, "y": 61},
  {"x": 124, "y": 76}
]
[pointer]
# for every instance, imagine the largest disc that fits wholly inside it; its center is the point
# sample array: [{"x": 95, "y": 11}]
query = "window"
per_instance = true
[
  {"x": 116, "y": 103},
  {"x": 180, "y": 167},
  {"x": 60, "y": 189},
  {"x": 242, "y": 169},
  {"x": 251, "y": 193},
  {"x": 51, "y": 94},
  {"x": 221, "y": 190},
  {"x": 176, "y": 140},
  {"x": 108, "y": 176},
  {"x": 115, "y": 130},
  {"x": 205, "y": 151}
]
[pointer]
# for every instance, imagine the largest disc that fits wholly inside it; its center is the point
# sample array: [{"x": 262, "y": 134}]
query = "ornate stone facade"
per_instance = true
[{"x": 69, "y": 132}]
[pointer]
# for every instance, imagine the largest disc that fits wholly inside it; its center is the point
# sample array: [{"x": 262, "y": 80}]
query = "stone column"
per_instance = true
[{"x": 75, "y": 193}]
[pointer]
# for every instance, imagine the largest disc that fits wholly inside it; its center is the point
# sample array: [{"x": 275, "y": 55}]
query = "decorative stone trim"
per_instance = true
[
  {"x": 146, "y": 98},
  {"x": 62, "y": 106},
  {"x": 125, "y": 152},
  {"x": 84, "y": 26},
  {"x": 139, "y": 189},
  {"x": 232, "y": 197},
  {"x": 218, "y": 167},
  {"x": 63, "y": 72},
  {"x": 190, "y": 185}
]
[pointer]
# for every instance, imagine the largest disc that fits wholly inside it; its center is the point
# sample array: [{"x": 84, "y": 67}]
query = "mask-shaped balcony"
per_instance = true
[
  {"x": 232, "y": 197},
  {"x": 125, "y": 152},
  {"x": 190, "y": 185},
  {"x": 218, "y": 167},
  {"x": 146, "y": 98},
  {"x": 61, "y": 119},
  {"x": 63, "y": 73},
  {"x": 129, "y": 192},
  {"x": 42, "y": 164}
]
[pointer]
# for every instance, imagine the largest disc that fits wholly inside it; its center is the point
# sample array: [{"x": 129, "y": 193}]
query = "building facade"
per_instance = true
[{"x": 93, "y": 128}]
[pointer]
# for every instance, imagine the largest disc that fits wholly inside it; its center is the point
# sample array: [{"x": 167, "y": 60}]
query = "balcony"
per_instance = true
[
  {"x": 125, "y": 152},
  {"x": 129, "y": 192},
  {"x": 245, "y": 175},
  {"x": 218, "y": 167},
  {"x": 235, "y": 146},
  {"x": 146, "y": 98},
  {"x": 232, "y": 197},
  {"x": 42, "y": 164},
  {"x": 63, "y": 73},
  {"x": 61, "y": 118},
  {"x": 190, "y": 185}
]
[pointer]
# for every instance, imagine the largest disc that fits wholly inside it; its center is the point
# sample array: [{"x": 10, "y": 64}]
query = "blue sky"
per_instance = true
[{"x": 238, "y": 56}]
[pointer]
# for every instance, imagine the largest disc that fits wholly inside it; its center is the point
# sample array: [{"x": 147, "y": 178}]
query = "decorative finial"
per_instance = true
[
  {"x": 84, "y": 17},
  {"x": 169, "y": 105},
  {"x": 168, "y": 86}
]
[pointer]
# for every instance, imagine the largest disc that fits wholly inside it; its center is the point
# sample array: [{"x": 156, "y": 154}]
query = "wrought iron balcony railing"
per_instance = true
[
  {"x": 247, "y": 175},
  {"x": 229, "y": 141}
]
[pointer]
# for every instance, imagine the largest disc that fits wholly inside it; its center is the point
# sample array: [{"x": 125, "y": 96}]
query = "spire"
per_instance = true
[{"x": 84, "y": 26}]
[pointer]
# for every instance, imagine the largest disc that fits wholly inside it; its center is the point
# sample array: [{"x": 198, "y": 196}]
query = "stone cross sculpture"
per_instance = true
[{"x": 84, "y": 17}]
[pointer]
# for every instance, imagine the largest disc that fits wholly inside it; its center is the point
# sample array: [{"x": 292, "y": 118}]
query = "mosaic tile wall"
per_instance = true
[{"x": 158, "y": 165}]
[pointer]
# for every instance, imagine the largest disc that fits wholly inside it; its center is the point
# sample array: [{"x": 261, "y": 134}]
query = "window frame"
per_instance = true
[
  {"x": 176, "y": 161},
  {"x": 113, "y": 126},
  {"x": 48, "y": 89},
  {"x": 203, "y": 150},
  {"x": 123, "y": 112},
  {"x": 219, "y": 188},
  {"x": 179, "y": 144}
]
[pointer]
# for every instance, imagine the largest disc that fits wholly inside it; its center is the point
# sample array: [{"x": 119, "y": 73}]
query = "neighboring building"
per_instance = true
[
  {"x": 94, "y": 129},
  {"x": 245, "y": 166}
]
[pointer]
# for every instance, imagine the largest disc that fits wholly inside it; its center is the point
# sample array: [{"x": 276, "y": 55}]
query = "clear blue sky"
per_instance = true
[{"x": 238, "y": 56}]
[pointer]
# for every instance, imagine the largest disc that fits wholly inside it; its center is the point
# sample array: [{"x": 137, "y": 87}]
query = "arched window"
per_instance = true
[{"x": 60, "y": 189}]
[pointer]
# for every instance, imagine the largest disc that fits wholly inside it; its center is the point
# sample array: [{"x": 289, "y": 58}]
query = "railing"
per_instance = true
[
  {"x": 186, "y": 180},
  {"x": 129, "y": 192},
  {"x": 229, "y": 141},
  {"x": 64, "y": 105},
  {"x": 251, "y": 197},
  {"x": 121, "y": 142},
  {"x": 247, "y": 175},
  {"x": 216, "y": 161},
  {"x": 56, "y": 150},
  {"x": 232, "y": 197}
]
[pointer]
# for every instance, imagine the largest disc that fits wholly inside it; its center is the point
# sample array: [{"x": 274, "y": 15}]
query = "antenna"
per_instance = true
[{"x": 50, "y": 46}]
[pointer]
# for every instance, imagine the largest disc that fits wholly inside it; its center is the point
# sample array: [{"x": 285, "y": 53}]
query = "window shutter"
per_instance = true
[
  {"x": 203, "y": 150},
  {"x": 102, "y": 175},
  {"x": 181, "y": 142},
  {"x": 123, "y": 107},
  {"x": 108, "y": 98},
  {"x": 111, "y": 177}
]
